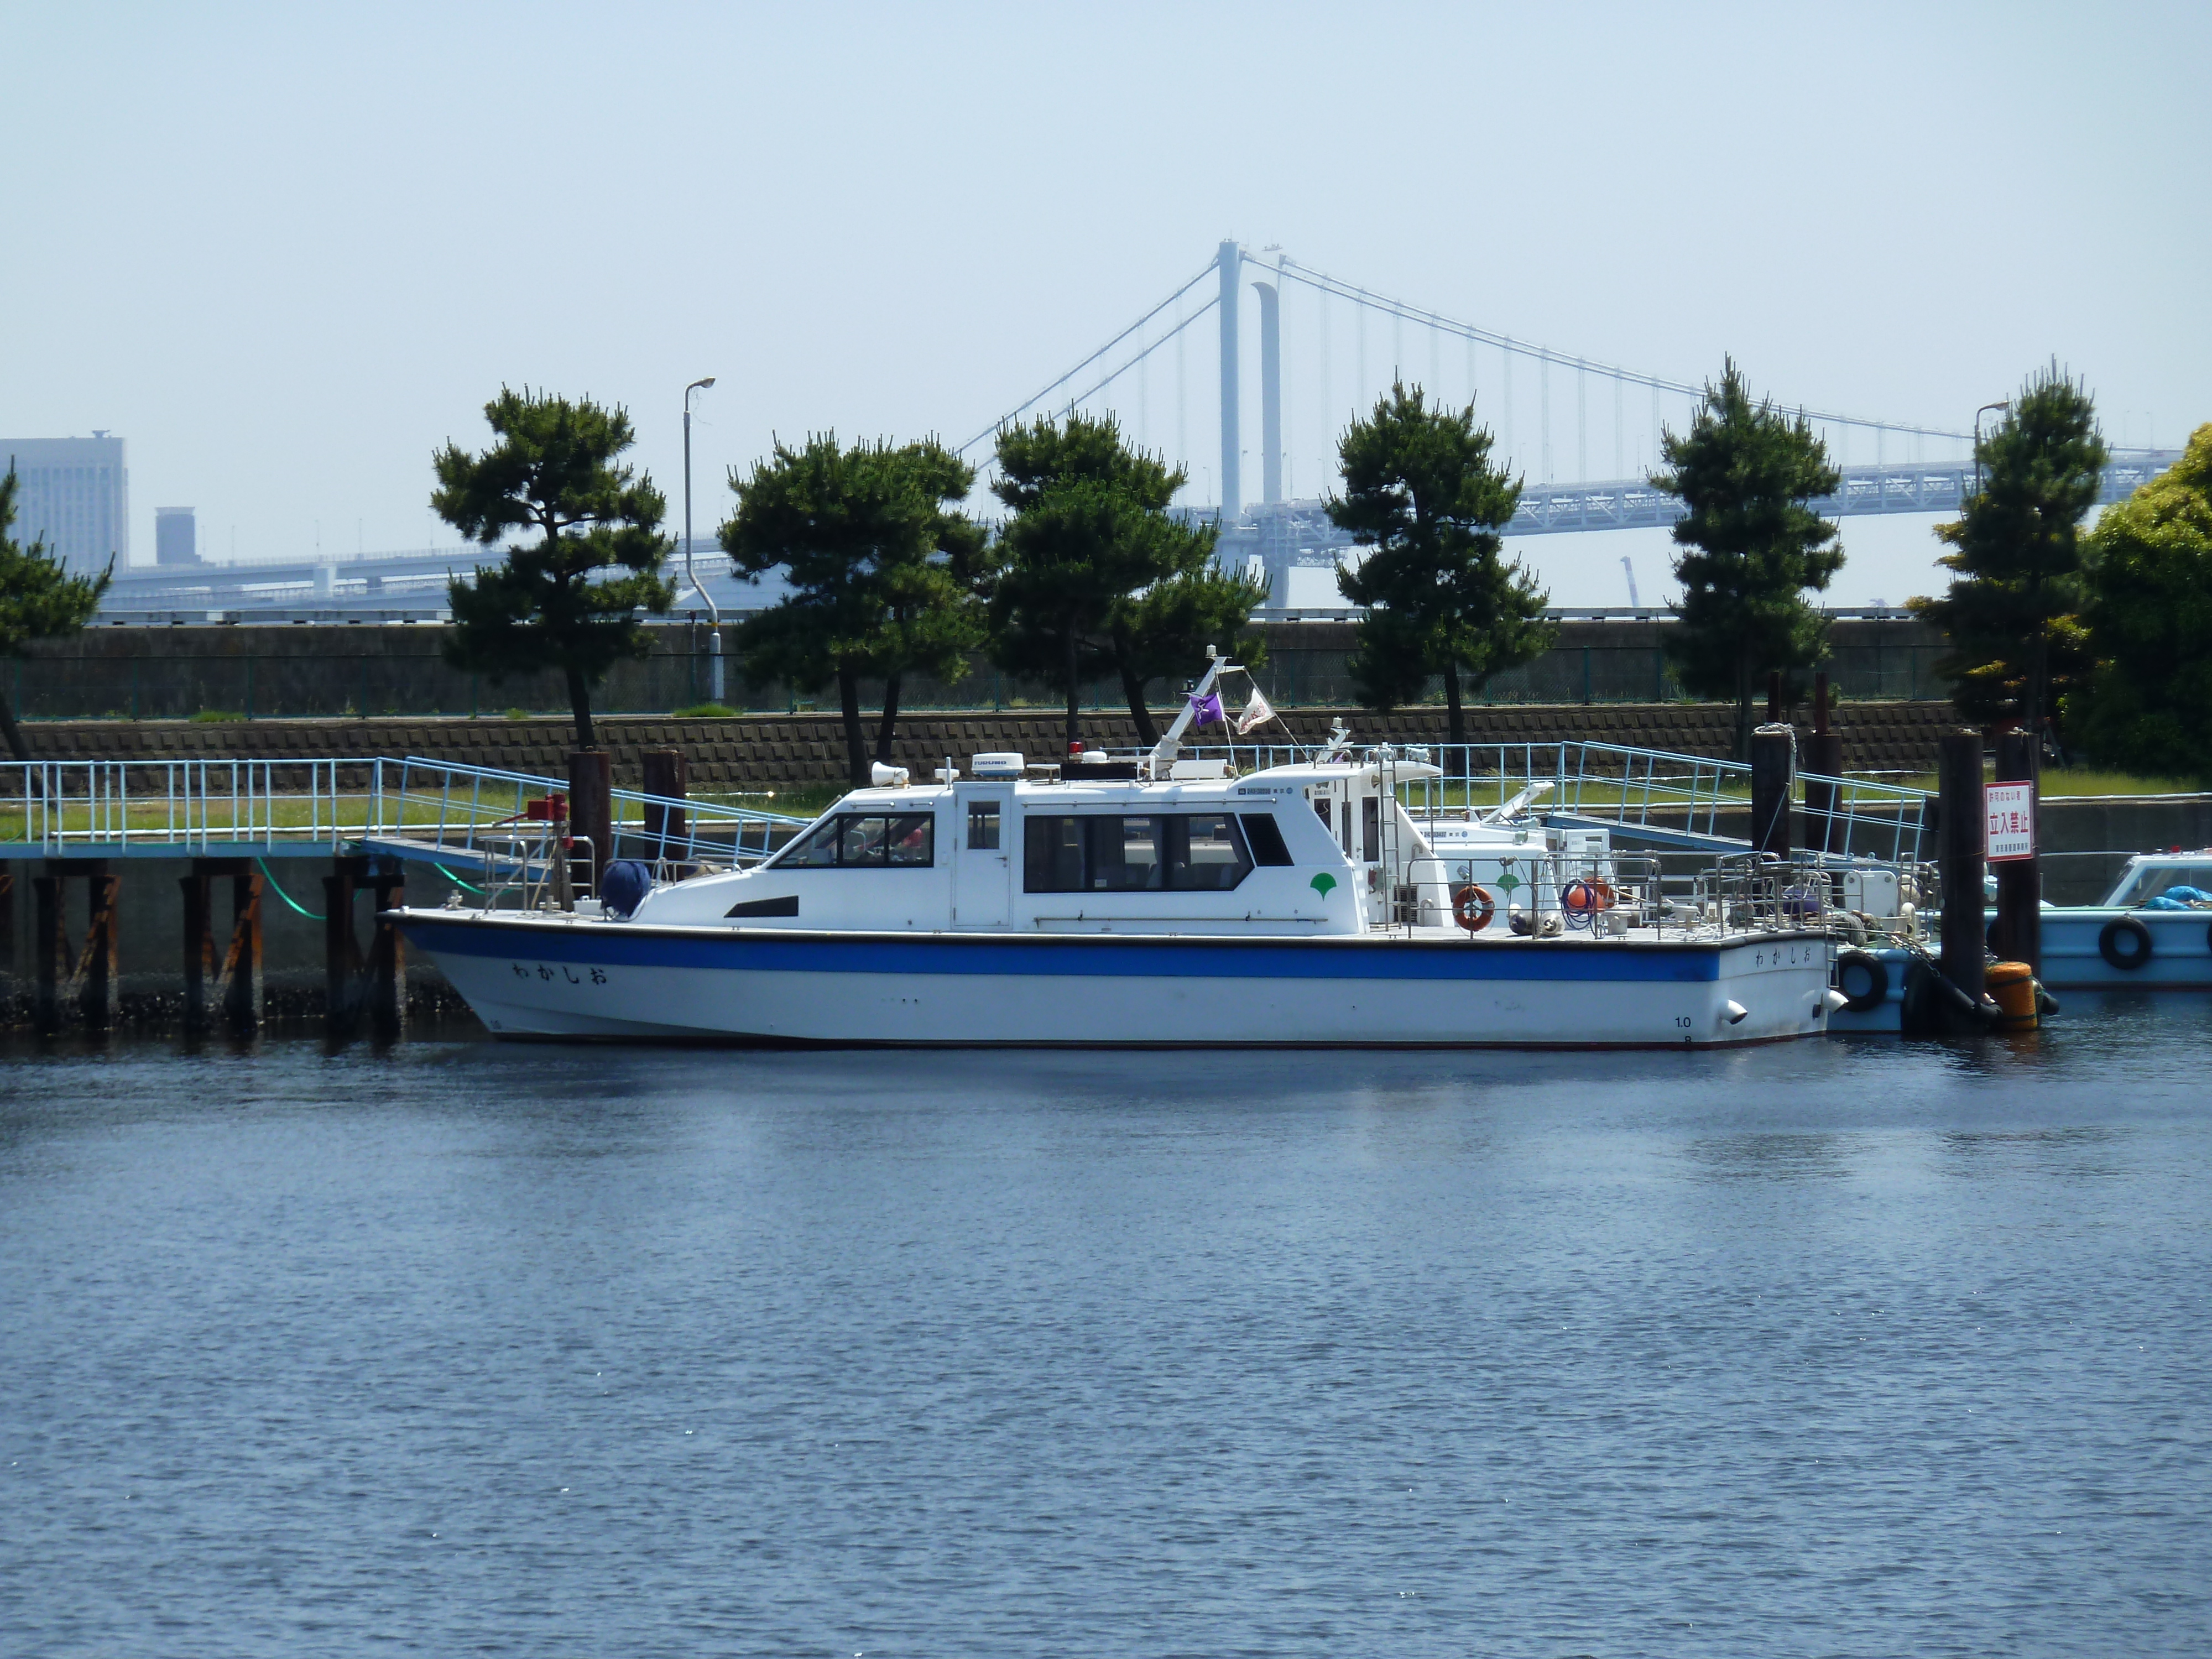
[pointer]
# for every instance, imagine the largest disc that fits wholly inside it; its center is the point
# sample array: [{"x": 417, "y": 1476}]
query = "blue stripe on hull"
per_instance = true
[{"x": 1562, "y": 961}]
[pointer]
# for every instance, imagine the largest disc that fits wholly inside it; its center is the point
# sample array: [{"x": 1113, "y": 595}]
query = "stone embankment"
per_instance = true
[{"x": 758, "y": 751}]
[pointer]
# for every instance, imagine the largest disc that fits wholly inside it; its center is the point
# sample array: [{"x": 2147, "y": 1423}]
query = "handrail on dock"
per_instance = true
[{"x": 413, "y": 805}]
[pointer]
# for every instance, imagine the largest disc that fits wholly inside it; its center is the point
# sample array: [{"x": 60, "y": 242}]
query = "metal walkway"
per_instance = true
[{"x": 426, "y": 811}]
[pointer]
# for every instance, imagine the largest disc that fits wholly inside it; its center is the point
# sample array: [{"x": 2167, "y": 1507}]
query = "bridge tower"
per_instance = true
[
  {"x": 1271, "y": 391},
  {"x": 1232, "y": 495}
]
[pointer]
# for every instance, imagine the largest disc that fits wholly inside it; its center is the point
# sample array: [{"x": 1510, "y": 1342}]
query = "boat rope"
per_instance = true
[{"x": 455, "y": 879}]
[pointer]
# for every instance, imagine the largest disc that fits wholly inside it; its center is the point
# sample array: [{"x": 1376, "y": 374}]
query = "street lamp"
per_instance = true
[
  {"x": 1979, "y": 413},
  {"x": 713, "y": 613}
]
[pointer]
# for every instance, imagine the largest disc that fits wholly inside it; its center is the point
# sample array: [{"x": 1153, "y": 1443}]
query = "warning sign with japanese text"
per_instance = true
[{"x": 2011, "y": 821}]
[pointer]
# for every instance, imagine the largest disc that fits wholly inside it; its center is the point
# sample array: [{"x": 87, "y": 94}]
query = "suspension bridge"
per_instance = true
[{"x": 1583, "y": 433}]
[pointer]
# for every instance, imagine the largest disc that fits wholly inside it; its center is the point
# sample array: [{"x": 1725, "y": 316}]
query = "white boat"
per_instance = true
[
  {"x": 1165, "y": 902},
  {"x": 2149, "y": 931}
]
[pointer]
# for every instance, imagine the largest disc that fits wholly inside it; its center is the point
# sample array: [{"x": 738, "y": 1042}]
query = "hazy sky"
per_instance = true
[{"x": 287, "y": 252}]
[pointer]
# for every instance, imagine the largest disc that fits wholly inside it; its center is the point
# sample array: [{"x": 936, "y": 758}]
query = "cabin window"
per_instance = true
[
  {"x": 1265, "y": 837},
  {"x": 866, "y": 840},
  {"x": 1214, "y": 860},
  {"x": 1320, "y": 810},
  {"x": 1370, "y": 828},
  {"x": 984, "y": 826},
  {"x": 1127, "y": 855},
  {"x": 1052, "y": 855},
  {"x": 1172, "y": 852}
]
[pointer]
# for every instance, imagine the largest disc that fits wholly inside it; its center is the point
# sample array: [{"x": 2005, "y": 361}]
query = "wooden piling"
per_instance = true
[
  {"x": 339, "y": 951},
  {"x": 229, "y": 988},
  {"x": 2018, "y": 932},
  {"x": 591, "y": 804},
  {"x": 242, "y": 987},
  {"x": 1772, "y": 756},
  {"x": 99, "y": 967},
  {"x": 1959, "y": 785},
  {"x": 49, "y": 952},
  {"x": 357, "y": 983},
  {"x": 1824, "y": 755},
  {"x": 387, "y": 959},
  {"x": 199, "y": 946},
  {"x": 667, "y": 774}
]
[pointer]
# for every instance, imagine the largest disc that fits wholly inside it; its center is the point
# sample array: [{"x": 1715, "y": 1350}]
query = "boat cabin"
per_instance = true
[
  {"x": 2163, "y": 880},
  {"x": 1307, "y": 849}
]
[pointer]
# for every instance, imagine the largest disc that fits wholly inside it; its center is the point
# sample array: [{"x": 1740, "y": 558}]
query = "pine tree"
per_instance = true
[
  {"x": 883, "y": 571},
  {"x": 39, "y": 599},
  {"x": 1751, "y": 544},
  {"x": 553, "y": 604},
  {"x": 1099, "y": 578},
  {"x": 2017, "y": 644},
  {"x": 1422, "y": 492},
  {"x": 2147, "y": 614}
]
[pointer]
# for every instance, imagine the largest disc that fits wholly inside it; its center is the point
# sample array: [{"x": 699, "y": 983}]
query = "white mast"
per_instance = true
[{"x": 1164, "y": 752}]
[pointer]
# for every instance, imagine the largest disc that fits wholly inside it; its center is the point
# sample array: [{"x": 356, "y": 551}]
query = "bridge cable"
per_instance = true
[
  {"x": 1024, "y": 407},
  {"x": 1336, "y": 287}
]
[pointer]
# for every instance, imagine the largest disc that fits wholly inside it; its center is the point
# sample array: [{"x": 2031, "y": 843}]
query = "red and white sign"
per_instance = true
[{"x": 2011, "y": 821}]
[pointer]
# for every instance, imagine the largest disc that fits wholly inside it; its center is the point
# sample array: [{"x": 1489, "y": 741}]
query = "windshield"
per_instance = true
[{"x": 2161, "y": 880}]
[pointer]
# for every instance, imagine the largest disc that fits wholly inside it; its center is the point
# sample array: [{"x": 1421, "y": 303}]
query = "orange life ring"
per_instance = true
[{"x": 1473, "y": 907}]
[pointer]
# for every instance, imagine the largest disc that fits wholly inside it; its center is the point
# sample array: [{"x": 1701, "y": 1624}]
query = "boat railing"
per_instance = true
[
  {"x": 1607, "y": 895},
  {"x": 542, "y": 867},
  {"x": 1656, "y": 790},
  {"x": 1619, "y": 785}
]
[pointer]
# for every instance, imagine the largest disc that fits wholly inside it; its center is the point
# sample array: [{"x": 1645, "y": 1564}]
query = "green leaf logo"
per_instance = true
[
  {"x": 1509, "y": 881},
  {"x": 1322, "y": 883}
]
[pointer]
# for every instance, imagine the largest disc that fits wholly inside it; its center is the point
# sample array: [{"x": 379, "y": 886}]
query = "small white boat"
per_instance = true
[
  {"x": 2153, "y": 929},
  {"x": 1163, "y": 903}
]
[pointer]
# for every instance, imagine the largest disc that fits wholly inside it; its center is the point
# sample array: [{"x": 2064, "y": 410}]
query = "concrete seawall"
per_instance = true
[{"x": 151, "y": 911}]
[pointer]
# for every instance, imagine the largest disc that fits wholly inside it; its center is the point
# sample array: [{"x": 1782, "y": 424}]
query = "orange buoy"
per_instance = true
[{"x": 2011, "y": 985}]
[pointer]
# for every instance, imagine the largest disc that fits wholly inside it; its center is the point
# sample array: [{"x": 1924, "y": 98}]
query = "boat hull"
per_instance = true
[
  {"x": 2073, "y": 958},
  {"x": 554, "y": 977}
]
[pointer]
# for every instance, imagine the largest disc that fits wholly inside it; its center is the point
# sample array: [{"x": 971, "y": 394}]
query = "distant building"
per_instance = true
[
  {"x": 74, "y": 495},
  {"x": 176, "y": 536}
]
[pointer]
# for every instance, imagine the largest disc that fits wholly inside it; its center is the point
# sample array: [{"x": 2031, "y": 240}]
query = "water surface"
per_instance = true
[{"x": 1829, "y": 1348}]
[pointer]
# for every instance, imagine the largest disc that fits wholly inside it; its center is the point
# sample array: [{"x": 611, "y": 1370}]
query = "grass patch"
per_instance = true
[
  {"x": 804, "y": 801},
  {"x": 2074, "y": 781},
  {"x": 704, "y": 711},
  {"x": 217, "y": 717}
]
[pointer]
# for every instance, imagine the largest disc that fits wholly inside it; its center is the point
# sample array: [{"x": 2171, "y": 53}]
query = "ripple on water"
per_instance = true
[{"x": 1848, "y": 1347}]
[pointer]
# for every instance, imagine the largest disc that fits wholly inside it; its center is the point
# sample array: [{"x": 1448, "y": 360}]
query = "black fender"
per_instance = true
[
  {"x": 2125, "y": 943},
  {"x": 1875, "y": 973}
]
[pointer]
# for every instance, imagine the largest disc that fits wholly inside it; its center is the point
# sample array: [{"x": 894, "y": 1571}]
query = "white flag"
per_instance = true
[{"x": 1255, "y": 713}]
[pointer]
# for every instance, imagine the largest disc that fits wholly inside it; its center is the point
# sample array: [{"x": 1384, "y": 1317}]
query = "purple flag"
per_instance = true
[{"x": 1206, "y": 710}]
